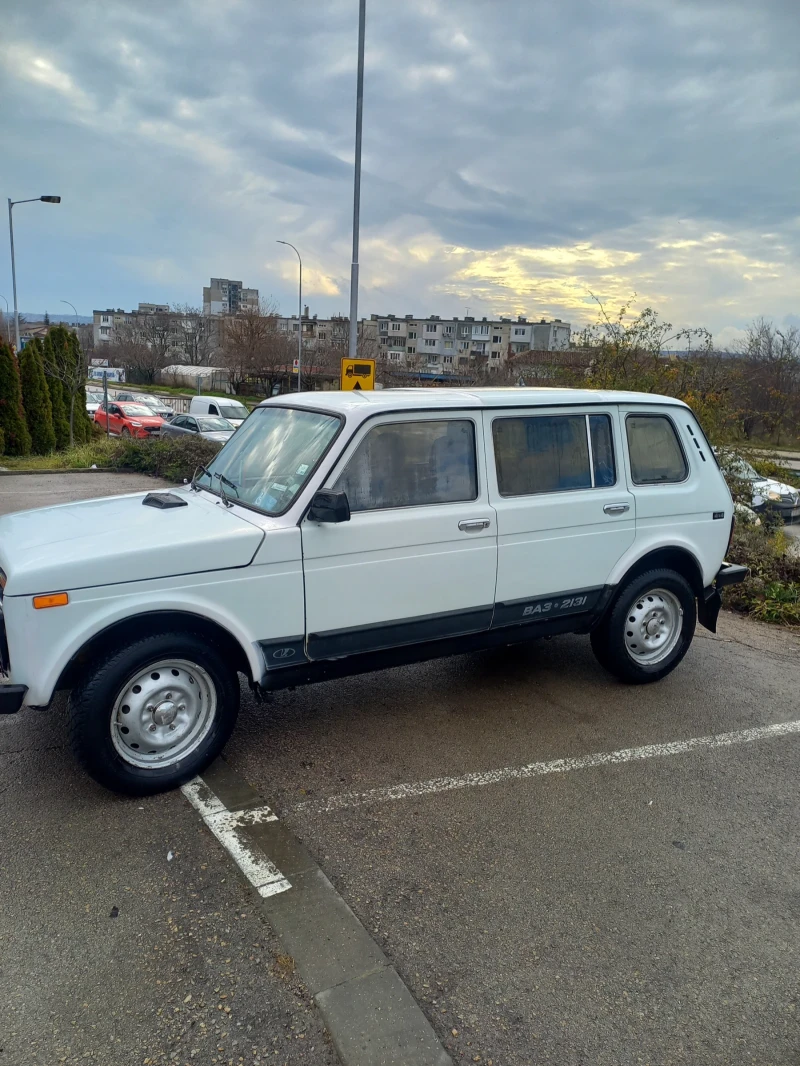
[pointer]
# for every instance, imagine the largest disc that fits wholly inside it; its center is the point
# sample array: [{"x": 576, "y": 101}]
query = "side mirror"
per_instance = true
[{"x": 328, "y": 506}]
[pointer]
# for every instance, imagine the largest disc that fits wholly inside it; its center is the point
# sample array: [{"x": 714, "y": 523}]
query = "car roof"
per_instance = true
[
  {"x": 218, "y": 399},
  {"x": 369, "y": 402}
]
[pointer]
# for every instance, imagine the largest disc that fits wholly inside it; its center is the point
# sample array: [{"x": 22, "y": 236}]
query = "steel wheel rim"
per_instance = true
[
  {"x": 653, "y": 626},
  {"x": 168, "y": 717}
]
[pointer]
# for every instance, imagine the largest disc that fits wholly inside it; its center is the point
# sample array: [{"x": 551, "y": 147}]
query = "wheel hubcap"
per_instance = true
[
  {"x": 653, "y": 626},
  {"x": 163, "y": 713}
]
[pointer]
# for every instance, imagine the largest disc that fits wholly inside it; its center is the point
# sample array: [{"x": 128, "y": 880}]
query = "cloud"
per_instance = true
[{"x": 517, "y": 156}]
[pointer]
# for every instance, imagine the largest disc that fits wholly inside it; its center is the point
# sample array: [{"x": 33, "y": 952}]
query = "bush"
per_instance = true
[
  {"x": 173, "y": 458},
  {"x": 772, "y": 591}
]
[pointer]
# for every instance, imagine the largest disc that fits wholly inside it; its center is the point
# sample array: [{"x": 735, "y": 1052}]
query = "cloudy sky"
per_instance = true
[{"x": 518, "y": 154}]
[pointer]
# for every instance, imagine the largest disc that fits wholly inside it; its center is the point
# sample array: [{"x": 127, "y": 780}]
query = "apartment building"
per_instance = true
[
  {"x": 104, "y": 323},
  {"x": 225, "y": 297},
  {"x": 450, "y": 345}
]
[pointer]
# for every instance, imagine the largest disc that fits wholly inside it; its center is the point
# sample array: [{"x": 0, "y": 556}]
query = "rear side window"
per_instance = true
[
  {"x": 408, "y": 464},
  {"x": 552, "y": 453},
  {"x": 655, "y": 451}
]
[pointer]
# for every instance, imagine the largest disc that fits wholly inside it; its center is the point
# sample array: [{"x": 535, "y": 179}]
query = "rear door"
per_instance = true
[
  {"x": 565, "y": 514},
  {"x": 417, "y": 561}
]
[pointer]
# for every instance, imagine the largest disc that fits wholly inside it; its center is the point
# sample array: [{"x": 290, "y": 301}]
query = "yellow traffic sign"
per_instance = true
[{"x": 358, "y": 374}]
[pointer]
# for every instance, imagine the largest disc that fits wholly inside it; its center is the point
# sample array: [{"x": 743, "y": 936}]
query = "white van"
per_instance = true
[
  {"x": 233, "y": 410},
  {"x": 339, "y": 532}
]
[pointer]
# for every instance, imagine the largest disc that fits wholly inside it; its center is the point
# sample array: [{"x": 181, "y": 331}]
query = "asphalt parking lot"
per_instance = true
[{"x": 640, "y": 909}]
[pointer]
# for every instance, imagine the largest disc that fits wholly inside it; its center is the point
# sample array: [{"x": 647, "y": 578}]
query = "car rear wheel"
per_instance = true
[
  {"x": 154, "y": 714},
  {"x": 648, "y": 629}
]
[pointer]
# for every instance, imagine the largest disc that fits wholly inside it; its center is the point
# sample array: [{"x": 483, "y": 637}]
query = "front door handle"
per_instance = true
[
  {"x": 616, "y": 508},
  {"x": 473, "y": 525}
]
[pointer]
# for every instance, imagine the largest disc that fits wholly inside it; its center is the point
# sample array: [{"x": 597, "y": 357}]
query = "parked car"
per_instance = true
[
  {"x": 128, "y": 419},
  {"x": 155, "y": 403},
  {"x": 94, "y": 398},
  {"x": 211, "y": 427},
  {"x": 336, "y": 533},
  {"x": 233, "y": 410},
  {"x": 766, "y": 492}
]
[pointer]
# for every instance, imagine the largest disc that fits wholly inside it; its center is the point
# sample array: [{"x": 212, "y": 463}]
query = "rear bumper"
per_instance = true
[
  {"x": 730, "y": 574},
  {"x": 11, "y": 697}
]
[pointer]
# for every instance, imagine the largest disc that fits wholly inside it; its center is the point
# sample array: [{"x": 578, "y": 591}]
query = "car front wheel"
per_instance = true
[
  {"x": 648, "y": 629},
  {"x": 154, "y": 714}
]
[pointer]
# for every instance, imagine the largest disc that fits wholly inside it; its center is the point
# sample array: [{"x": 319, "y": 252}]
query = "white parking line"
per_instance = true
[
  {"x": 415, "y": 789},
  {"x": 226, "y": 826}
]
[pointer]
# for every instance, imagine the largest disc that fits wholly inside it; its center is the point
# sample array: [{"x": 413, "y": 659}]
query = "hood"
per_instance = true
[
  {"x": 116, "y": 539},
  {"x": 146, "y": 420},
  {"x": 220, "y": 435},
  {"x": 770, "y": 489}
]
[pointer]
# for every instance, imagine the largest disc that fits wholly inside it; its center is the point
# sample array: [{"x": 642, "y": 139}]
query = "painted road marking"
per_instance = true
[
  {"x": 414, "y": 789},
  {"x": 227, "y": 827}
]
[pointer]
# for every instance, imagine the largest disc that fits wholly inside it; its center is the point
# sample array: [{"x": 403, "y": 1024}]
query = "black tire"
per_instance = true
[
  {"x": 609, "y": 636},
  {"x": 92, "y": 704}
]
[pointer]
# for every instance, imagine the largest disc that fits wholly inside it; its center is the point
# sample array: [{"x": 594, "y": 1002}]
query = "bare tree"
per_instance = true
[
  {"x": 254, "y": 349},
  {"x": 142, "y": 344},
  {"x": 769, "y": 388},
  {"x": 197, "y": 335}
]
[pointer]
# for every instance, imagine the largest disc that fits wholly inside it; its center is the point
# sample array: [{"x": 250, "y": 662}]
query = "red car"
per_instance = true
[{"x": 129, "y": 420}]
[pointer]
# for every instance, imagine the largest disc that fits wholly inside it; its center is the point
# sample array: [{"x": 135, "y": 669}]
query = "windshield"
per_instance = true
[
  {"x": 231, "y": 409},
  {"x": 742, "y": 469},
  {"x": 210, "y": 424},
  {"x": 270, "y": 457},
  {"x": 136, "y": 409}
]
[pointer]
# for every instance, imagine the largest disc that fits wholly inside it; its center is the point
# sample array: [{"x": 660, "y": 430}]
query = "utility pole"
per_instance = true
[
  {"x": 353, "y": 349},
  {"x": 299, "y": 314}
]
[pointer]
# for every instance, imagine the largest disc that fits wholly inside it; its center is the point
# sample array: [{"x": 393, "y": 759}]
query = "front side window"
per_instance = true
[
  {"x": 550, "y": 453},
  {"x": 270, "y": 457},
  {"x": 655, "y": 451},
  {"x": 409, "y": 464}
]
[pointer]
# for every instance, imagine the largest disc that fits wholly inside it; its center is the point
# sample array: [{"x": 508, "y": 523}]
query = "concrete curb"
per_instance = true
[{"x": 370, "y": 1014}]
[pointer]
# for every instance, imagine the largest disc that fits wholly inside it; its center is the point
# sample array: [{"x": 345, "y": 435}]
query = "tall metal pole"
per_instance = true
[
  {"x": 353, "y": 349},
  {"x": 72, "y": 305},
  {"x": 13, "y": 273},
  {"x": 8, "y": 325},
  {"x": 299, "y": 315}
]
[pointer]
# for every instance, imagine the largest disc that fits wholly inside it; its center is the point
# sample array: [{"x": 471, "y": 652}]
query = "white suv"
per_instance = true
[{"x": 338, "y": 532}]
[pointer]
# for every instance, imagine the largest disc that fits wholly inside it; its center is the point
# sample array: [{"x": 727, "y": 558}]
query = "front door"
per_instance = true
[
  {"x": 565, "y": 515},
  {"x": 417, "y": 560}
]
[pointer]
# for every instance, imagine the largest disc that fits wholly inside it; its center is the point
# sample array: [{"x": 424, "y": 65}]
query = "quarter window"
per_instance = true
[
  {"x": 655, "y": 451},
  {"x": 550, "y": 453},
  {"x": 409, "y": 464}
]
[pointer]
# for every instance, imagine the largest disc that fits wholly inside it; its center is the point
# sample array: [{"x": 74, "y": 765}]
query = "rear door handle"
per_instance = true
[
  {"x": 473, "y": 525},
  {"x": 616, "y": 508}
]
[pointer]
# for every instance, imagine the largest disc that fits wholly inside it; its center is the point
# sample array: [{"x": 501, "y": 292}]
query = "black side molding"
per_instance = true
[
  {"x": 11, "y": 697},
  {"x": 731, "y": 574}
]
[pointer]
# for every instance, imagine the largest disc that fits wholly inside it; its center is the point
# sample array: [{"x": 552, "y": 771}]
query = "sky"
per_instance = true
[{"x": 519, "y": 157}]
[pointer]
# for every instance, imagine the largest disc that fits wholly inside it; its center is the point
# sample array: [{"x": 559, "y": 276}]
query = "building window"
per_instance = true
[
  {"x": 384, "y": 340},
  {"x": 104, "y": 318},
  {"x": 447, "y": 359},
  {"x": 105, "y": 330},
  {"x": 394, "y": 356},
  {"x": 479, "y": 347},
  {"x": 295, "y": 326},
  {"x": 519, "y": 331},
  {"x": 497, "y": 340},
  {"x": 448, "y": 329},
  {"x": 480, "y": 331},
  {"x": 383, "y": 326},
  {"x": 430, "y": 327},
  {"x": 322, "y": 335},
  {"x": 495, "y": 355},
  {"x": 430, "y": 343},
  {"x": 448, "y": 344},
  {"x": 412, "y": 350},
  {"x": 396, "y": 327},
  {"x": 465, "y": 331},
  {"x": 412, "y": 335}
]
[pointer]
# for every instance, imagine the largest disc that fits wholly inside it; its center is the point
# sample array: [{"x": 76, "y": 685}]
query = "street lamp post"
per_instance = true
[
  {"x": 69, "y": 303},
  {"x": 299, "y": 314},
  {"x": 8, "y": 325},
  {"x": 353, "y": 349},
  {"x": 11, "y": 204}
]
